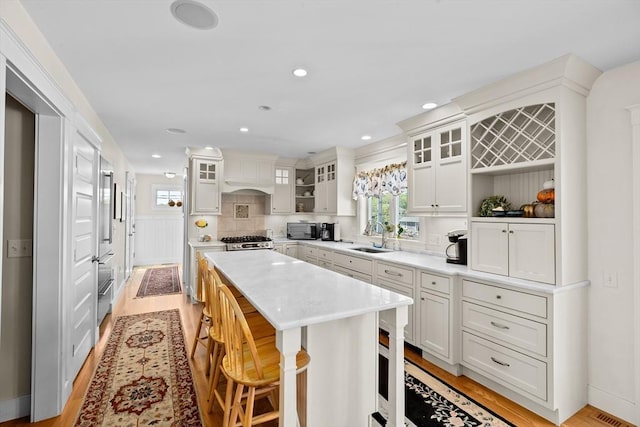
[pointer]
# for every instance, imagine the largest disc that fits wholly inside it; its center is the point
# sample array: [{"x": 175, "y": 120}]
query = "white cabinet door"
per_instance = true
[
  {"x": 523, "y": 251},
  {"x": 321, "y": 189},
  {"x": 532, "y": 252},
  {"x": 490, "y": 247},
  {"x": 291, "y": 250},
  {"x": 434, "y": 324},
  {"x": 205, "y": 185},
  {"x": 282, "y": 198},
  {"x": 331, "y": 188},
  {"x": 403, "y": 290},
  {"x": 437, "y": 171}
]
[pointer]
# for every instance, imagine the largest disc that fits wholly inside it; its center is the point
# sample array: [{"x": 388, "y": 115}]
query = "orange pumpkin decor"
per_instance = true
[{"x": 546, "y": 196}]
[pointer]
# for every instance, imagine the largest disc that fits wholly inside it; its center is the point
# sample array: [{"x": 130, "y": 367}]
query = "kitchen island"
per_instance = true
[{"x": 336, "y": 319}]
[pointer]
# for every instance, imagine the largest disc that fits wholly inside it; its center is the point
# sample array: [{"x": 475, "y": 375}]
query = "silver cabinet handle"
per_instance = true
[
  {"x": 393, "y": 273},
  {"x": 499, "y": 362},
  {"x": 498, "y": 325}
]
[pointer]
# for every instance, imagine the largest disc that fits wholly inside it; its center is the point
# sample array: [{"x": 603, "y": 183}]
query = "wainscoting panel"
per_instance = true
[{"x": 158, "y": 240}]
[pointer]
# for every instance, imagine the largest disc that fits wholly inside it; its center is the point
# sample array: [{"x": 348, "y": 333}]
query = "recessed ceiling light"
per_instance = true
[
  {"x": 176, "y": 131},
  {"x": 244, "y": 130},
  {"x": 299, "y": 72},
  {"x": 208, "y": 148},
  {"x": 156, "y": 156},
  {"x": 170, "y": 174},
  {"x": 365, "y": 137},
  {"x": 429, "y": 106},
  {"x": 264, "y": 108},
  {"x": 194, "y": 14}
]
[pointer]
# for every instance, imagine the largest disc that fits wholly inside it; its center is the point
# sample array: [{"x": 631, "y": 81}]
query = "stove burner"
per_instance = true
[{"x": 245, "y": 239}]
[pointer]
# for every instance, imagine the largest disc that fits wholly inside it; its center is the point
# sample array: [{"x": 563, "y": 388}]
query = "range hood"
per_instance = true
[{"x": 248, "y": 172}]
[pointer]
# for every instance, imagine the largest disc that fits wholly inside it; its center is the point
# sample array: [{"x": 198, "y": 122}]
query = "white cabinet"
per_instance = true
[
  {"x": 290, "y": 249},
  {"x": 436, "y": 312},
  {"x": 505, "y": 337},
  {"x": 205, "y": 185},
  {"x": 398, "y": 279},
  {"x": 520, "y": 250},
  {"x": 437, "y": 170},
  {"x": 326, "y": 188},
  {"x": 282, "y": 197},
  {"x": 352, "y": 266},
  {"x": 334, "y": 173}
]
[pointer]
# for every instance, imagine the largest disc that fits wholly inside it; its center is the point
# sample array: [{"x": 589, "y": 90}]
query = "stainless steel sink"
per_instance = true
[{"x": 370, "y": 250}]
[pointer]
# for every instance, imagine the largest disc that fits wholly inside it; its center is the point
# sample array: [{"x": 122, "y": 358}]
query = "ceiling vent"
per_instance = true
[{"x": 194, "y": 14}]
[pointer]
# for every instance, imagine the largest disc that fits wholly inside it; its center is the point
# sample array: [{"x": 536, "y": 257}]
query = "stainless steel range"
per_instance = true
[{"x": 246, "y": 243}]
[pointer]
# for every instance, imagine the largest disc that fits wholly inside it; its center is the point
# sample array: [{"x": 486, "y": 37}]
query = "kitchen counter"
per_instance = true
[
  {"x": 434, "y": 263},
  {"x": 339, "y": 317}
]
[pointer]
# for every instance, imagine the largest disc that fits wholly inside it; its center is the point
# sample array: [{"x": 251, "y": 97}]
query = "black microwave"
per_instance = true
[{"x": 303, "y": 231}]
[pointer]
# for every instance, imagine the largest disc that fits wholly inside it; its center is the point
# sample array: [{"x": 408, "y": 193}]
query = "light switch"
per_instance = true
[
  {"x": 13, "y": 248},
  {"x": 610, "y": 280}
]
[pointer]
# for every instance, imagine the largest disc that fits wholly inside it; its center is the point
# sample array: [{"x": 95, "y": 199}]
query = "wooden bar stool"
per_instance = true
[
  {"x": 248, "y": 364},
  {"x": 263, "y": 332},
  {"x": 201, "y": 292}
]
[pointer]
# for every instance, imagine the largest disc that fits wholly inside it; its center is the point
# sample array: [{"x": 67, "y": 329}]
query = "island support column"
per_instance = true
[
  {"x": 288, "y": 342},
  {"x": 396, "y": 320}
]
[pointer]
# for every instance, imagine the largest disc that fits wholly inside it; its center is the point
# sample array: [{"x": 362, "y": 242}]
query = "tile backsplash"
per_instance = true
[{"x": 232, "y": 221}]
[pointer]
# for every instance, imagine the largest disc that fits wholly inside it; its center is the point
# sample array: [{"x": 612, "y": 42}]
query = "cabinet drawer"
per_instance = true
[
  {"x": 352, "y": 273},
  {"x": 436, "y": 283},
  {"x": 324, "y": 255},
  {"x": 325, "y": 264},
  {"x": 514, "y": 370},
  {"x": 514, "y": 300},
  {"x": 395, "y": 273},
  {"x": 354, "y": 263},
  {"x": 309, "y": 252},
  {"x": 511, "y": 330}
]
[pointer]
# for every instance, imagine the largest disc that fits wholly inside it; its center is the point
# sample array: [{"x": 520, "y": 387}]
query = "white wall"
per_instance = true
[
  {"x": 609, "y": 183},
  {"x": 159, "y": 232}
]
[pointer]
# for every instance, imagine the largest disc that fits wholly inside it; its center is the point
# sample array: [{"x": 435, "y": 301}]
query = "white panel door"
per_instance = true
[
  {"x": 434, "y": 323},
  {"x": 83, "y": 270}
]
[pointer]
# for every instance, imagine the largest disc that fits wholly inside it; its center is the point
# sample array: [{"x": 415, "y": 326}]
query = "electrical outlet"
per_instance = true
[
  {"x": 19, "y": 248},
  {"x": 610, "y": 280}
]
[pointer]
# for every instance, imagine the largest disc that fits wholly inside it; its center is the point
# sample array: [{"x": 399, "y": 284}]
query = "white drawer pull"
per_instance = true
[
  {"x": 498, "y": 325},
  {"x": 393, "y": 273},
  {"x": 499, "y": 362}
]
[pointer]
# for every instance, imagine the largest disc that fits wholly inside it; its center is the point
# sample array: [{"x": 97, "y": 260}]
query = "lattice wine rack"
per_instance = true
[{"x": 524, "y": 134}]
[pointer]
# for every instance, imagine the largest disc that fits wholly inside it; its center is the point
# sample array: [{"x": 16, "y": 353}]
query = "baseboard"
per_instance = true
[
  {"x": 157, "y": 261},
  {"x": 455, "y": 370},
  {"x": 15, "y": 408},
  {"x": 615, "y": 405}
]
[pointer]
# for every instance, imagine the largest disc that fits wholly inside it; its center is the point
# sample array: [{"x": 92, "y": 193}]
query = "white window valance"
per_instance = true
[{"x": 389, "y": 179}]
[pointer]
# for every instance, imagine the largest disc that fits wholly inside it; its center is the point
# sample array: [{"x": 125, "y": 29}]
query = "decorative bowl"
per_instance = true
[
  {"x": 498, "y": 212},
  {"x": 515, "y": 213}
]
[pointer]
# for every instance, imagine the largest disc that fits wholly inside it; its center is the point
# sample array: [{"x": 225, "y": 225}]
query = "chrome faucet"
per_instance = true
[{"x": 384, "y": 238}]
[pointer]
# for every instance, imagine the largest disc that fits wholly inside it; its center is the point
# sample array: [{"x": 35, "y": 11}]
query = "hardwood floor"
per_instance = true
[{"x": 128, "y": 304}]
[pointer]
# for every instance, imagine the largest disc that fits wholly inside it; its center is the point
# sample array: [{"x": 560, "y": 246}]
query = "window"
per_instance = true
[
  {"x": 392, "y": 210},
  {"x": 282, "y": 176},
  {"x": 166, "y": 196}
]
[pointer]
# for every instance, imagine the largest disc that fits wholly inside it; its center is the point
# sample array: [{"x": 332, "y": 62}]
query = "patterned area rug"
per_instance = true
[
  {"x": 429, "y": 402},
  {"x": 144, "y": 377},
  {"x": 160, "y": 281}
]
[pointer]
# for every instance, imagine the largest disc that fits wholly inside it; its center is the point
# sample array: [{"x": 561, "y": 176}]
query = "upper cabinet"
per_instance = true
[
  {"x": 437, "y": 167},
  {"x": 282, "y": 197},
  {"x": 334, "y": 173},
  {"x": 245, "y": 170},
  {"x": 523, "y": 131},
  {"x": 206, "y": 172}
]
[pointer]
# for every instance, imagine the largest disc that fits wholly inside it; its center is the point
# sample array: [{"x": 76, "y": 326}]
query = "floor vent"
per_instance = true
[{"x": 610, "y": 420}]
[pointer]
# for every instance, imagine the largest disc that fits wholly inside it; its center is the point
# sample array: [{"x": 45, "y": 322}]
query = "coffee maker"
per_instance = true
[
  {"x": 330, "y": 231},
  {"x": 456, "y": 252}
]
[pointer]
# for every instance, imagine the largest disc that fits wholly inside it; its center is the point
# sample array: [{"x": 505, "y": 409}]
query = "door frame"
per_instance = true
[
  {"x": 26, "y": 80},
  {"x": 634, "y": 111}
]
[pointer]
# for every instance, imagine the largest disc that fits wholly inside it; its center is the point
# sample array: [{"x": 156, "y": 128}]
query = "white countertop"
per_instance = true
[
  {"x": 195, "y": 243},
  {"x": 291, "y": 293},
  {"x": 435, "y": 264}
]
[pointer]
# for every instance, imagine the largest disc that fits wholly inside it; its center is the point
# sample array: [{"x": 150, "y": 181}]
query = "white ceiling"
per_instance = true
[{"x": 371, "y": 64}]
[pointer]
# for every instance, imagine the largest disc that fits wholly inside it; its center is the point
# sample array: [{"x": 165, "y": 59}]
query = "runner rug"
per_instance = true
[
  {"x": 144, "y": 377},
  {"x": 430, "y": 402},
  {"x": 159, "y": 281}
]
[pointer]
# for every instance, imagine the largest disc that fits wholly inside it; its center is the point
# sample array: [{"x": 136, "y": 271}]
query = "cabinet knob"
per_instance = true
[
  {"x": 510, "y": 231},
  {"x": 422, "y": 298},
  {"x": 433, "y": 283},
  {"x": 504, "y": 231},
  {"x": 498, "y": 296}
]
